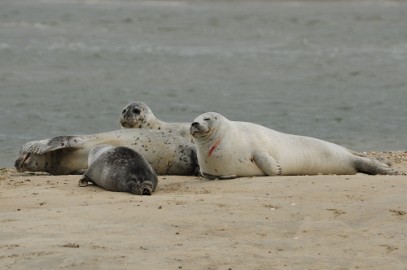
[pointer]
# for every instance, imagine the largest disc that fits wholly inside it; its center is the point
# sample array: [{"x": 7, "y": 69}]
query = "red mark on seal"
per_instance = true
[{"x": 213, "y": 148}]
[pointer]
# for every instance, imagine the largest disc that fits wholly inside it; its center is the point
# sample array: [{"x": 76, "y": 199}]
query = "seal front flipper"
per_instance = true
[
  {"x": 84, "y": 181},
  {"x": 59, "y": 142},
  {"x": 19, "y": 163},
  {"x": 267, "y": 163},
  {"x": 220, "y": 177}
]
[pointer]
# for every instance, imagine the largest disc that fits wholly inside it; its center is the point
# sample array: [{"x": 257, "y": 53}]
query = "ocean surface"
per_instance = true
[{"x": 335, "y": 70}]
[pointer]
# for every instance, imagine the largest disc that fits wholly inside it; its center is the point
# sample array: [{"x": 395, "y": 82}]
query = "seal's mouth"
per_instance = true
[{"x": 125, "y": 124}]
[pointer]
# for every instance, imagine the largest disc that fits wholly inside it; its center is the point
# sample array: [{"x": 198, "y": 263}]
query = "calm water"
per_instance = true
[{"x": 332, "y": 70}]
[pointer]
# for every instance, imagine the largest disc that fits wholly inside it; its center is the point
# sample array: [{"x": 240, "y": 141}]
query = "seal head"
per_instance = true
[
  {"x": 203, "y": 125},
  {"x": 137, "y": 115}
]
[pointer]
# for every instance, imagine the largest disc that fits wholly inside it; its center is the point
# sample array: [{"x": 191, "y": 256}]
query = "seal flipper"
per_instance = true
[
  {"x": 133, "y": 187},
  {"x": 84, "y": 181},
  {"x": 372, "y": 166},
  {"x": 19, "y": 163},
  {"x": 59, "y": 142},
  {"x": 145, "y": 188},
  {"x": 267, "y": 163},
  {"x": 220, "y": 177}
]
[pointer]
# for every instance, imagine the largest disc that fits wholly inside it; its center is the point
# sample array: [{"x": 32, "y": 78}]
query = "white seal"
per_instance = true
[
  {"x": 166, "y": 152},
  {"x": 139, "y": 115},
  {"x": 119, "y": 169},
  {"x": 229, "y": 149}
]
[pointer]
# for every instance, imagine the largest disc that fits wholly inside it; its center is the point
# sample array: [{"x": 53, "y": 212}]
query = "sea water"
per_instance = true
[{"x": 335, "y": 70}]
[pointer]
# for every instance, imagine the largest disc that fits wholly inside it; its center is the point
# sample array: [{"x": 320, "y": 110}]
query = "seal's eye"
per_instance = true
[
  {"x": 136, "y": 111},
  {"x": 207, "y": 119}
]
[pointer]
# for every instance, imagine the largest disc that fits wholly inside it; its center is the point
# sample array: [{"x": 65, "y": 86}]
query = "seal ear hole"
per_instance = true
[{"x": 136, "y": 111}]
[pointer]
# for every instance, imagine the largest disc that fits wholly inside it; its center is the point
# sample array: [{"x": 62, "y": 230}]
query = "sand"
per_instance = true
[{"x": 302, "y": 222}]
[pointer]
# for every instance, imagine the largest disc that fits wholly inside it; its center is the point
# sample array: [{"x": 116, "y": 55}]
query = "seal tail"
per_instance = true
[
  {"x": 147, "y": 191},
  {"x": 373, "y": 166}
]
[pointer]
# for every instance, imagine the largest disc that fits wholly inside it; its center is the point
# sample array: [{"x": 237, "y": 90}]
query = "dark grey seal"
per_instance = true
[{"x": 119, "y": 169}]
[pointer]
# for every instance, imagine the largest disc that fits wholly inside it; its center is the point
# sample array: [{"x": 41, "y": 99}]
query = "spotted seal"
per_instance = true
[
  {"x": 139, "y": 115},
  {"x": 166, "y": 152}
]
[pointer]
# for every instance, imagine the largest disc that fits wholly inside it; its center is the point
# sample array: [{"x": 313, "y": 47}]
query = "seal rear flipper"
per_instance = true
[
  {"x": 147, "y": 191},
  {"x": 145, "y": 188},
  {"x": 133, "y": 187},
  {"x": 267, "y": 163},
  {"x": 373, "y": 167}
]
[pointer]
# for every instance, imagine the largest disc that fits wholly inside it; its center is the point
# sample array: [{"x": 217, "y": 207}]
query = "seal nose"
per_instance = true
[
  {"x": 195, "y": 124},
  {"x": 136, "y": 111}
]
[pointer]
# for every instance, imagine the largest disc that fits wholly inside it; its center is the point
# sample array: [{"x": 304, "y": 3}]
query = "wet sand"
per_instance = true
[{"x": 302, "y": 222}]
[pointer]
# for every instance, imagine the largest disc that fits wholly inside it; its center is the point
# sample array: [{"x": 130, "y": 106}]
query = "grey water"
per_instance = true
[{"x": 335, "y": 70}]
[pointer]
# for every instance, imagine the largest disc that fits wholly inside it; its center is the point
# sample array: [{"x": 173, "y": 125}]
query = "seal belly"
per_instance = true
[{"x": 225, "y": 166}]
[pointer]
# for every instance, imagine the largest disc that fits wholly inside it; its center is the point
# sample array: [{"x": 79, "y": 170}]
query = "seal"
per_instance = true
[
  {"x": 119, "y": 169},
  {"x": 139, "y": 115},
  {"x": 229, "y": 149},
  {"x": 168, "y": 154}
]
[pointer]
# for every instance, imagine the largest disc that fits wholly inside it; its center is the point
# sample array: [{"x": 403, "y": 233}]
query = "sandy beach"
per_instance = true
[{"x": 302, "y": 222}]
